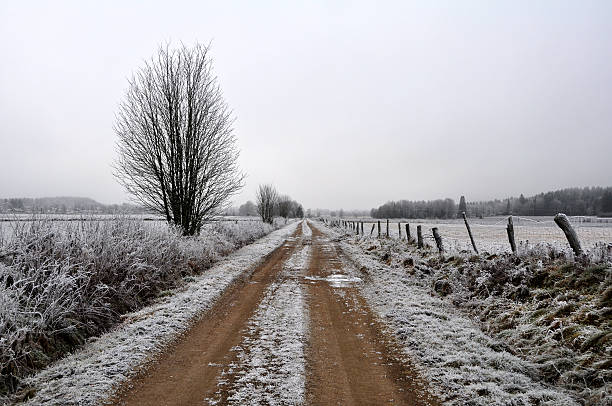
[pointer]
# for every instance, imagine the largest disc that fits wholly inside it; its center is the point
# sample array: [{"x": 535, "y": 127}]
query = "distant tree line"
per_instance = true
[
  {"x": 441, "y": 208},
  {"x": 587, "y": 201},
  {"x": 65, "y": 205}
]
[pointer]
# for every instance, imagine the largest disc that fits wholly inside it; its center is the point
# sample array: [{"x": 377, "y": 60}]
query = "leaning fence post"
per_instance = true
[
  {"x": 469, "y": 232},
  {"x": 372, "y": 230},
  {"x": 407, "y": 232},
  {"x": 510, "y": 230},
  {"x": 438, "y": 239},
  {"x": 419, "y": 237},
  {"x": 564, "y": 224}
]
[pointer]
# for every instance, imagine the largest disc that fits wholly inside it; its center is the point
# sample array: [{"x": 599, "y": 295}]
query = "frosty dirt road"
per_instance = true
[{"x": 296, "y": 332}]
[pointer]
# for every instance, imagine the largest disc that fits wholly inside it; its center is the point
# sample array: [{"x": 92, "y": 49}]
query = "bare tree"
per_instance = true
[
  {"x": 177, "y": 152},
  {"x": 266, "y": 199},
  {"x": 285, "y": 204}
]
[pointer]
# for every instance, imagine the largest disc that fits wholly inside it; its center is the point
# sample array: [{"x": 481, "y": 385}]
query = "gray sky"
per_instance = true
[{"x": 339, "y": 104}]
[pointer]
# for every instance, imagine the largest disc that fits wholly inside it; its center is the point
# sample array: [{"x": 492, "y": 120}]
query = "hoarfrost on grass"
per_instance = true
[{"x": 89, "y": 375}]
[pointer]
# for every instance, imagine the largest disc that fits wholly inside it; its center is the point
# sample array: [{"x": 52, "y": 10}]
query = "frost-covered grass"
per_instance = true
[
  {"x": 466, "y": 365},
  {"x": 62, "y": 283},
  {"x": 270, "y": 367},
  {"x": 89, "y": 375}
]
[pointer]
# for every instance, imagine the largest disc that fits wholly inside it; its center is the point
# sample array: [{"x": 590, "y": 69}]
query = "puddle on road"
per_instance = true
[{"x": 336, "y": 280}]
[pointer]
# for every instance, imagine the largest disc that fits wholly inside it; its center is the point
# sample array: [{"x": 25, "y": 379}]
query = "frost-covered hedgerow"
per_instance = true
[{"x": 63, "y": 282}]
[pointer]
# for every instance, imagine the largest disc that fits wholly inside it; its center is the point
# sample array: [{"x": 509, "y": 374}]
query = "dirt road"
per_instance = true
[
  {"x": 351, "y": 361},
  {"x": 297, "y": 331}
]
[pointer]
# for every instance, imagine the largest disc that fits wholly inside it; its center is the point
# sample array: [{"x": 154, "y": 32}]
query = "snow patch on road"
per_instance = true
[
  {"x": 271, "y": 364},
  {"x": 336, "y": 280},
  {"x": 466, "y": 366},
  {"x": 306, "y": 231},
  {"x": 88, "y": 376}
]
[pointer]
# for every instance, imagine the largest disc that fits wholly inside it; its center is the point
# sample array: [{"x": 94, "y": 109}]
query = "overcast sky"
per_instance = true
[{"x": 339, "y": 104}]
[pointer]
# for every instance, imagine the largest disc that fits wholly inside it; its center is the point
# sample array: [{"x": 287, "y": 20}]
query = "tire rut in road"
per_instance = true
[
  {"x": 350, "y": 361},
  {"x": 187, "y": 373}
]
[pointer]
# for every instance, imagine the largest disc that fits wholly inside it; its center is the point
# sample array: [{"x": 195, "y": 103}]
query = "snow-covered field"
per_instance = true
[
  {"x": 465, "y": 366},
  {"x": 271, "y": 367},
  {"x": 87, "y": 376},
  {"x": 490, "y": 233},
  {"x": 10, "y": 223}
]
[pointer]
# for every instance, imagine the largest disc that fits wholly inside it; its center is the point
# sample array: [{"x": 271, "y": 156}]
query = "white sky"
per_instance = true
[{"x": 339, "y": 104}]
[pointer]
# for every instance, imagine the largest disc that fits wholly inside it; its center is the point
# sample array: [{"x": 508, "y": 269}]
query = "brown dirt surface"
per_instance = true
[{"x": 351, "y": 361}]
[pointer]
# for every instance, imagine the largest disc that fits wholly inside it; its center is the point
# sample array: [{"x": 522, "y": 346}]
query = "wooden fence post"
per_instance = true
[
  {"x": 469, "y": 232},
  {"x": 564, "y": 224},
  {"x": 438, "y": 239},
  {"x": 357, "y": 224},
  {"x": 510, "y": 231},
  {"x": 387, "y": 228},
  {"x": 419, "y": 237},
  {"x": 362, "y": 228},
  {"x": 378, "y": 228},
  {"x": 372, "y": 230},
  {"x": 399, "y": 229},
  {"x": 407, "y": 232}
]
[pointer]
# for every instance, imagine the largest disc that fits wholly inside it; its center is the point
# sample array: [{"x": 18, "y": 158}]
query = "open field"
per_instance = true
[
  {"x": 490, "y": 232},
  {"x": 11, "y": 223}
]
